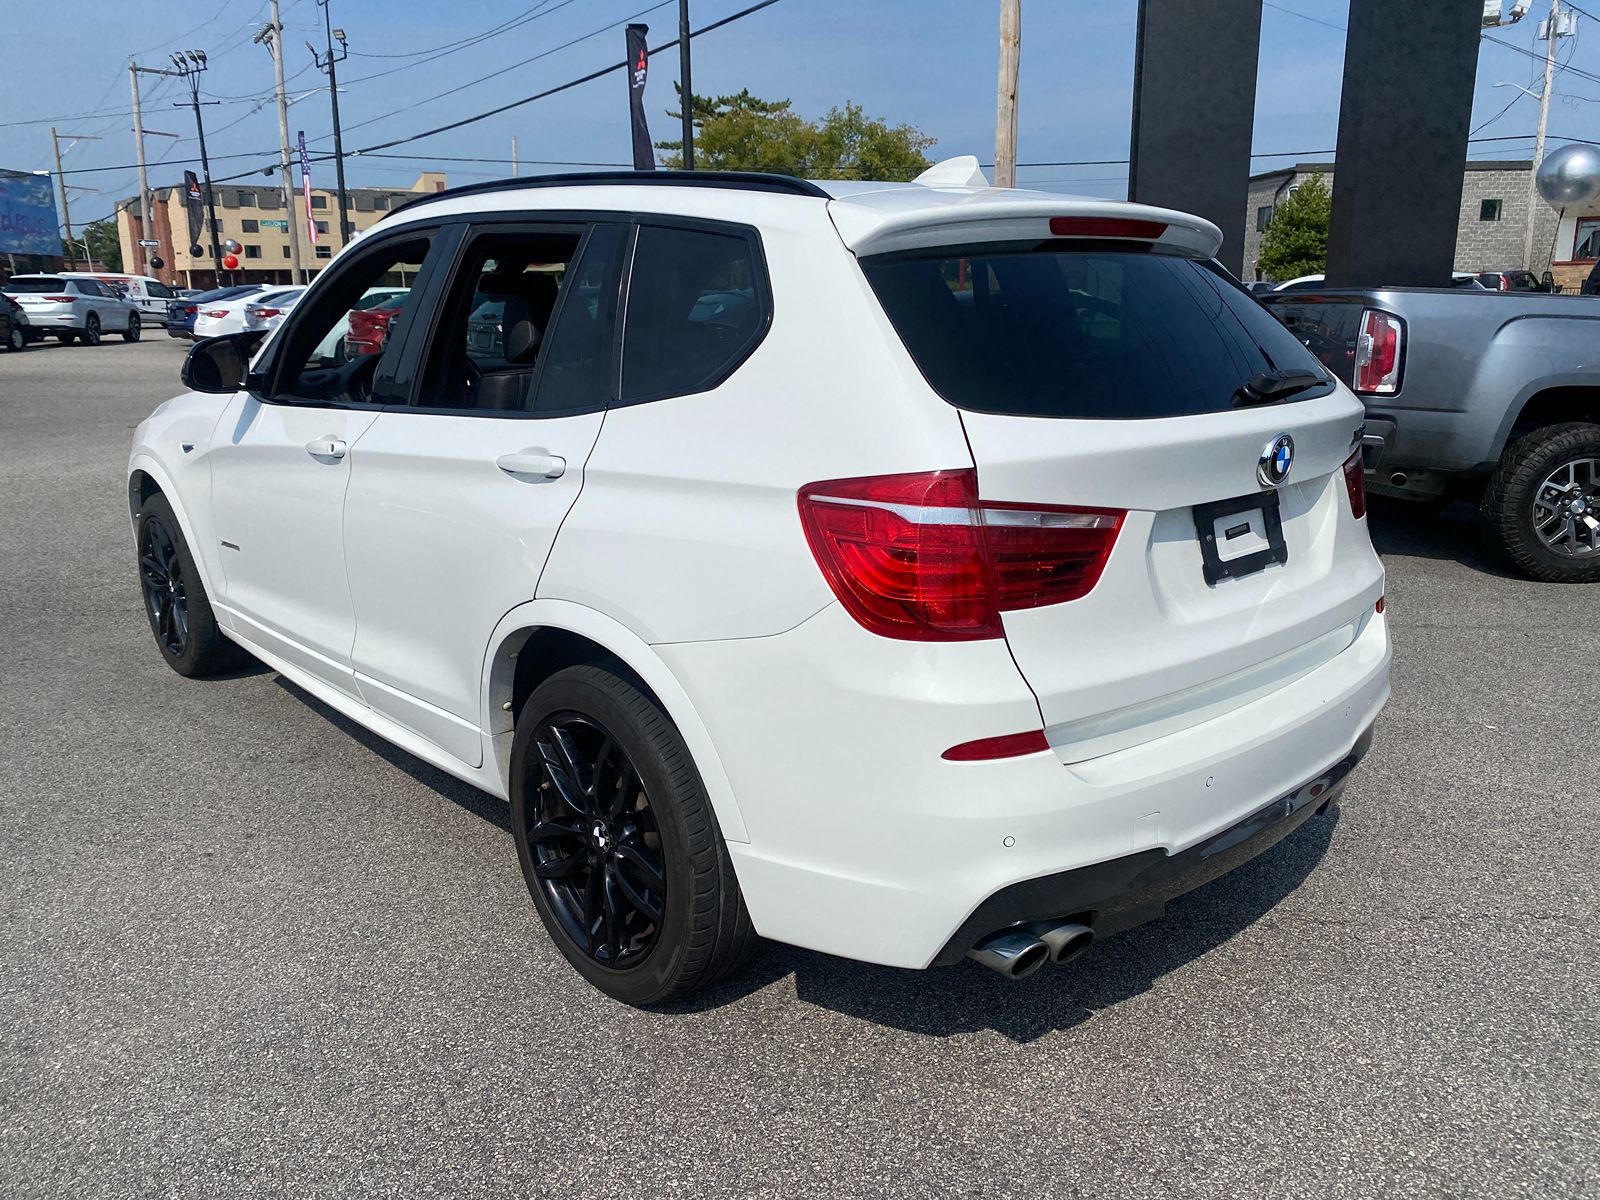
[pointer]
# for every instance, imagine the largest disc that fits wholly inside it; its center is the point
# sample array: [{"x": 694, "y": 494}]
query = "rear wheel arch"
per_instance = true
[
  {"x": 1549, "y": 405},
  {"x": 538, "y": 639}
]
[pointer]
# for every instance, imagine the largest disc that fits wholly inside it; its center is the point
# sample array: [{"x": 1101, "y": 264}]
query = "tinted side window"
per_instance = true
[{"x": 696, "y": 308}]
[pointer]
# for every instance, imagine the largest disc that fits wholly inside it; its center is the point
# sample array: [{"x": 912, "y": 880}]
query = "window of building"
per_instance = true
[
  {"x": 696, "y": 309},
  {"x": 252, "y": 251},
  {"x": 319, "y": 202},
  {"x": 1263, "y": 217},
  {"x": 322, "y": 227},
  {"x": 324, "y": 251},
  {"x": 1586, "y": 241},
  {"x": 285, "y": 250},
  {"x": 250, "y": 225},
  {"x": 1488, "y": 210},
  {"x": 381, "y": 203},
  {"x": 247, "y": 199}
]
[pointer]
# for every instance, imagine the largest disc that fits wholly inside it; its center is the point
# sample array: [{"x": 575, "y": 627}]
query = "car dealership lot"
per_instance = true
[{"x": 246, "y": 949}]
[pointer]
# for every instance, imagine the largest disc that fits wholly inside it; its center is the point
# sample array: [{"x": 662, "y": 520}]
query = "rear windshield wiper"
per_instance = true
[{"x": 1269, "y": 387}]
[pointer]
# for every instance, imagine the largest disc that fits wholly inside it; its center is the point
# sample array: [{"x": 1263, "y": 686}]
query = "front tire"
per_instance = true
[
  {"x": 175, "y": 600},
  {"x": 618, "y": 844},
  {"x": 135, "y": 328},
  {"x": 91, "y": 331},
  {"x": 1541, "y": 508},
  {"x": 16, "y": 340}
]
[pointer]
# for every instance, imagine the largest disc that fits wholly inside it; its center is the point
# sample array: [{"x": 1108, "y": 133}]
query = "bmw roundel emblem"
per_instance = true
[{"x": 1277, "y": 457}]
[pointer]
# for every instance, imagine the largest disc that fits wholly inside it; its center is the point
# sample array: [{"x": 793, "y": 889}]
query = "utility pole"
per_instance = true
[
  {"x": 66, "y": 211},
  {"x": 141, "y": 254},
  {"x": 516, "y": 167},
  {"x": 272, "y": 36},
  {"x": 1005, "y": 113},
  {"x": 1552, "y": 32},
  {"x": 685, "y": 101},
  {"x": 328, "y": 64},
  {"x": 140, "y": 257},
  {"x": 190, "y": 65}
]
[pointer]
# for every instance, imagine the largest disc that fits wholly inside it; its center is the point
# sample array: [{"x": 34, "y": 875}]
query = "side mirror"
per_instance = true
[{"x": 219, "y": 364}]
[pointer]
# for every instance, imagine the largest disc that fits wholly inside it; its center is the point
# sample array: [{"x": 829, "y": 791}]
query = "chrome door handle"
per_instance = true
[
  {"x": 326, "y": 447},
  {"x": 534, "y": 463}
]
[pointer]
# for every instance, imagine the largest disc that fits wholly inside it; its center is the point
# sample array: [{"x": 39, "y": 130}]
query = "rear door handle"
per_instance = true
[
  {"x": 326, "y": 447},
  {"x": 533, "y": 462}
]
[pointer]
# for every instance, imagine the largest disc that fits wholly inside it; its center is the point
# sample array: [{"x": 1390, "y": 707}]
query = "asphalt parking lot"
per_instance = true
[{"x": 249, "y": 950}]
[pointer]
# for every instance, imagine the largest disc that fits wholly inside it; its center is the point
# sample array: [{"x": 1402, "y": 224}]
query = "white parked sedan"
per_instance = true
[
  {"x": 906, "y": 572},
  {"x": 228, "y": 316},
  {"x": 268, "y": 310}
]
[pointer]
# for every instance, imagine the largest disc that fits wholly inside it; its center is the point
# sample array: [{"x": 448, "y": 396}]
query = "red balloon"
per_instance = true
[{"x": 230, "y": 261}]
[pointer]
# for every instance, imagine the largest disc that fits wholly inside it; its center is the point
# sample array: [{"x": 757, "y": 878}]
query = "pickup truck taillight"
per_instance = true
[
  {"x": 1379, "y": 351},
  {"x": 920, "y": 558}
]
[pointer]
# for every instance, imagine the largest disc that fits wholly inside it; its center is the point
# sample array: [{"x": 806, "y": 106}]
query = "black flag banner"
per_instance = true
[
  {"x": 192, "y": 203},
  {"x": 644, "y": 158}
]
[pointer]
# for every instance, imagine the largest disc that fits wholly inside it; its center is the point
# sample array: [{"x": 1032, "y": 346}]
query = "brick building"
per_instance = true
[
  {"x": 255, "y": 218},
  {"x": 1491, "y": 228}
]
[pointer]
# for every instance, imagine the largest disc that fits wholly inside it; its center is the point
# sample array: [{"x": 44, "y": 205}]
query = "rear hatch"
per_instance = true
[{"x": 1109, "y": 369}]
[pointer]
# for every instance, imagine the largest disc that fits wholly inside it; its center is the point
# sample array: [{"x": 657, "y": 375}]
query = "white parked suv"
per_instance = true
[{"x": 904, "y": 571}]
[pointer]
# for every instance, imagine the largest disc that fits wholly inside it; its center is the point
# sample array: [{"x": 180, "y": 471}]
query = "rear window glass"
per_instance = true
[
  {"x": 1092, "y": 334},
  {"x": 1328, "y": 330},
  {"x": 21, "y": 286}
]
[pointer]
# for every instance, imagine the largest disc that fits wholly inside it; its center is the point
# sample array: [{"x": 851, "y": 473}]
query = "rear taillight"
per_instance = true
[
  {"x": 1379, "y": 352},
  {"x": 215, "y": 313},
  {"x": 262, "y": 314},
  {"x": 920, "y": 557},
  {"x": 1355, "y": 482},
  {"x": 59, "y": 299}
]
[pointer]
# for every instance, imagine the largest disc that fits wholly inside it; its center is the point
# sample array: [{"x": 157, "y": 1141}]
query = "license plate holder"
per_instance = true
[{"x": 1212, "y": 528}]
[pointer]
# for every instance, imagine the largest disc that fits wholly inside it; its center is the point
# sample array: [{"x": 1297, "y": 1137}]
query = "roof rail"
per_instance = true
[{"x": 742, "y": 181}]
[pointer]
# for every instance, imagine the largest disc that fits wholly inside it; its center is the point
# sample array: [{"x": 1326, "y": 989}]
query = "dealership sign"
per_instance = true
[{"x": 28, "y": 215}]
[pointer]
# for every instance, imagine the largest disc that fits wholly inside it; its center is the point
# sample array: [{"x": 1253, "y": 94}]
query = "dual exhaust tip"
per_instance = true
[{"x": 1021, "y": 950}]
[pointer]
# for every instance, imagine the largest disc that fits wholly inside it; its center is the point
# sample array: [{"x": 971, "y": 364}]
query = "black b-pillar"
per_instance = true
[
  {"x": 1194, "y": 103},
  {"x": 1409, "y": 67}
]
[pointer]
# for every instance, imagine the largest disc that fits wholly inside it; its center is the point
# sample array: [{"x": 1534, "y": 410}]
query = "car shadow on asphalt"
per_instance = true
[
  {"x": 1450, "y": 536},
  {"x": 965, "y": 998}
]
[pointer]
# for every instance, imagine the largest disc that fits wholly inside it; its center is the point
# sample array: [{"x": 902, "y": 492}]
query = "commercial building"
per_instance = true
[
  {"x": 1491, "y": 229},
  {"x": 253, "y": 216}
]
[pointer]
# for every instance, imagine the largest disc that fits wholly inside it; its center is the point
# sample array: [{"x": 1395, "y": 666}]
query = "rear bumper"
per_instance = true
[{"x": 1124, "y": 892}]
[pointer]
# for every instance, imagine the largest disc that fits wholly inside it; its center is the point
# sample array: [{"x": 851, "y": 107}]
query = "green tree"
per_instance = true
[
  {"x": 746, "y": 133},
  {"x": 1295, "y": 242},
  {"x": 105, "y": 247}
]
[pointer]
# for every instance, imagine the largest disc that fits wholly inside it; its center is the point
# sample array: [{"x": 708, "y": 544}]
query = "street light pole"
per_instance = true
[
  {"x": 328, "y": 63},
  {"x": 1552, "y": 32},
  {"x": 191, "y": 64}
]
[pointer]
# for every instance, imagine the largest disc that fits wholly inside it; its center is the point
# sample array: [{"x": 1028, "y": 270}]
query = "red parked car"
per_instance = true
[{"x": 369, "y": 320}]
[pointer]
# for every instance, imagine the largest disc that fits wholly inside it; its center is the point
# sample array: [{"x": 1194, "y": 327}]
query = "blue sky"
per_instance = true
[{"x": 1076, "y": 81}]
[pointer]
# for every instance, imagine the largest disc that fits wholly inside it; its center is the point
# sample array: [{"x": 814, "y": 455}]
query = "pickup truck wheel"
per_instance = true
[
  {"x": 617, "y": 841},
  {"x": 1541, "y": 508}
]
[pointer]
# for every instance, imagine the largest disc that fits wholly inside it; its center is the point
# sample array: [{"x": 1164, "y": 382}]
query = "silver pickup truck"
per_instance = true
[{"x": 1486, "y": 396}]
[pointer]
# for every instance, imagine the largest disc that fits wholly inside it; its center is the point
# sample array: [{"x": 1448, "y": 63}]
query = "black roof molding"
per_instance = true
[{"x": 738, "y": 181}]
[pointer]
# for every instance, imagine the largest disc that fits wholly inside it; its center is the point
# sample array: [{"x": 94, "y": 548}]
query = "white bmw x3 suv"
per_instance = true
[{"x": 903, "y": 571}]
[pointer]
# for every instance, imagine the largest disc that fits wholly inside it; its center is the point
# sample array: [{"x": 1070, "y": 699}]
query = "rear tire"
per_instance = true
[
  {"x": 695, "y": 928},
  {"x": 1506, "y": 515},
  {"x": 175, "y": 600},
  {"x": 135, "y": 328},
  {"x": 91, "y": 331}
]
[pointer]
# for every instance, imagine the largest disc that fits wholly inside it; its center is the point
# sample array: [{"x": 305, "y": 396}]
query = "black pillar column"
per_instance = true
[
  {"x": 1409, "y": 67},
  {"x": 1194, "y": 103}
]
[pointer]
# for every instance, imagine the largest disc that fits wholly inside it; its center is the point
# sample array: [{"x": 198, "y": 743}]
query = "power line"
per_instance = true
[
  {"x": 500, "y": 28},
  {"x": 1578, "y": 71},
  {"x": 1304, "y": 17},
  {"x": 544, "y": 11}
]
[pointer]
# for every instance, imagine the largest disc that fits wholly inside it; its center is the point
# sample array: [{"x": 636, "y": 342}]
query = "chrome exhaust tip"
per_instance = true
[
  {"x": 1065, "y": 941},
  {"x": 1011, "y": 952}
]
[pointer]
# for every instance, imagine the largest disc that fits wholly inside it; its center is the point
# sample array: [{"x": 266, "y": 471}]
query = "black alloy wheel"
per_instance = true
[
  {"x": 91, "y": 331},
  {"x": 595, "y": 847},
  {"x": 166, "y": 594},
  {"x": 135, "y": 328}
]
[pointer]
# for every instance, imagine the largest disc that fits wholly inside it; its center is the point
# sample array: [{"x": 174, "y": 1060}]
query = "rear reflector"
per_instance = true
[
  {"x": 1010, "y": 745},
  {"x": 1378, "y": 607},
  {"x": 1379, "y": 353},
  {"x": 919, "y": 557},
  {"x": 1107, "y": 227},
  {"x": 1355, "y": 482}
]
